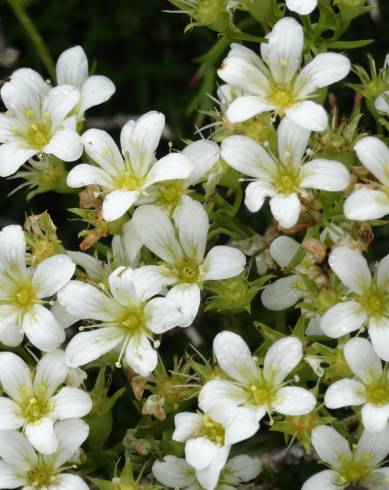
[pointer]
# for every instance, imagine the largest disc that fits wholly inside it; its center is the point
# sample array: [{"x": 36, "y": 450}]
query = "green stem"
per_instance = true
[{"x": 34, "y": 35}]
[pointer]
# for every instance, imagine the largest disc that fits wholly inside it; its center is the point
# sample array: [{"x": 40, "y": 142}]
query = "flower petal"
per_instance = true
[
  {"x": 15, "y": 377},
  {"x": 163, "y": 314},
  {"x": 309, "y": 115},
  {"x": 363, "y": 360},
  {"x": 375, "y": 417},
  {"x": 187, "y": 297},
  {"x": 59, "y": 102},
  {"x": 282, "y": 357},
  {"x": 203, "y": 155},
  {"x": 221, "y": 393},
  {"x": 102, "y": 149},
  {"x": 292, "y": 142},
  {"x": 140, "y": 355},
  {"x": 234, "y": 357},
  {"x": 379, "y": 335},
  {"x": 223, "y": 262},
  {"x": 345, "y": 393},
  {"x": 70, "y": 402},
  {"x": 96, "y": 90},
  {"x": 65, "y": 145},
  {"x": 10, "y": 415},
  {"x": 17, "y": 451},
  {"x": 12, "y": 249},
  {"x": 52, "y": 274},
  {"x": 325, "y": 480},
  {"x": 243, "y": 468},
  {"x": 383, "y": 273},
  {"x": 174, "y": 472},
  {"x": 66, "y": 481},
  {"x": 72, "y": 67},
  {"x": 351, "y": 268},
  {"x": 200, "y": 451},
  {"x": 302, "y": 7},
  {"x": 150, "y": 280},
  {"x": 373, "y": 446},
  {"x": 42, "y": 329},
  {"x": 286, "y": 209},
  {"x": 240, "y": 423},
  {"x": 41, "y": 435},
  {"x": 329, "y": 445},
  {"x": 11, "y": 477},
  {"x": 85, "y": 174},
  {"x": 326, "y": 175},
  {"x": 209, "y": 476},
  {"x": 293, "y": 400},
  {"x": 12, "y": 157},
  {"x": 70, "y": 433},
  {"x": 283, "y": 249},
  {"x": 244, "y": 75},
  {"x": 342, "y": 319},
  {"x": 170, "y": 167},
  {"x": 374, "y": 154},
  {"x": 246, "y": 107},
  {"x": 255, "y": 195},
  {"x": 117, "y": 203},
  {"x": 187, "y": 425},
  {"x": 281, "y": 294},
  {"x": 51, "y": 372},
  {"x": 365, "y": 204}
]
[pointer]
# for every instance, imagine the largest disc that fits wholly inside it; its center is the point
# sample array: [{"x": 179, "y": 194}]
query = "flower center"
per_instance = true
[
  {"x": 133, "y": 320},
  {"x": 287, "y": 180},
  {"x": 374, "y": 301},
  {"x": 282, "y": 97},
  {"x": 352, "y": 470},
  {"x": 188, "y": 272},
  {"x": 34, "y": 409},
  {"x": 24, "y": 297},
  {"x": 262, "y": 393},
  {"x": 38, "y": 133},
  {"x": 212, "y": 430},
  {"x": 128, "y": 182},
  {"x": 170, "y": 192},
  {"x": 40, "y": 477},
  {"x": 378, "y": 392}
]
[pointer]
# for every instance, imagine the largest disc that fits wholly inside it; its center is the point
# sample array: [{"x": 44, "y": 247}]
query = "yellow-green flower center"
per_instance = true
[
  {"x": 212, "y": 430},
  {"x": 287, "y": 180},
  {"x": 34, "y": 409},
  {"x": 378, "y": 391},
  {"x": 282, "y": 97},
  {"x": 128, "y": 181},
  {"x": 262, "y": 393},
  {"x": 352, "y": 470},
  {"x": 38, "y": 133},
  {"x": 41, "y": 476},
  {"x": 170, "y": 192},
  {"x": 187, "y": 272},
  {"x": 375, "y": 302},
  {"x": 24, "y": 297},
  {"x": 134, "y": 319}
]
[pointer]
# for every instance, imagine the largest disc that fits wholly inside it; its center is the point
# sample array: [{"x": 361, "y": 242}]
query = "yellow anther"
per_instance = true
[{"x": 29, "y": 113}]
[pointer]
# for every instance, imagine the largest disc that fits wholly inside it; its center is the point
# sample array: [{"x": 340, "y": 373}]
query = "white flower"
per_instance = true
[
  {"x": 37, "y": 122},
  {"x": 209, "y": 436},
  {"x": 370, "y": 387},
  {"x": 358, "y": 467},
  {"x": 285, "y": 178},
  {"x": 72, "y": 69},
  {"x": 21, "y": 466},
  {"x": 382, "y": 103},
  {"x": 126, "y": 314},
  {"x": 183, "y": 256},
  {"x": 174, "y": 472},
  {"x": 126, "y": 247},
  {"x": 302, "y": 7},
  {"x": 253, "y": 389},
  {"x": 365, "y": 203},
  {"x": 273, "y": 82},
  {"x": 126, "y": 178},
  {"x": 366, "y": 299},
  {"x": 22, "y": 293},
  {"x": 34, "y": 402}
]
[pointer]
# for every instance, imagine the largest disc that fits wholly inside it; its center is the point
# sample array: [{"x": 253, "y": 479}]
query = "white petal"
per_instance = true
[
  {"x": 345, "y": 393},
  {"x": 15, "y": 377},
  {"x": 89, "y": 346},
  {"x": 19, "y": 96},
  {"x": 42, "y": 329},
  {"x": 52, "y": 274},
  {"x": 363, "y": 360},
  {"x": 330, "y": 445},
  {"x": 17, "y": 451},
  {"x": 50, "y": 373},
  {"x": 377, "y": 479},
  {"x": 281, "y": 294},
  {"x": 140, "y": 355},
  {"x": 10, "y": 332},
  {"x": 10, "y": 476},
  {"x": 383, "y": 273},
  {"x": 351, "y": 268},
  {"x": 72, "y": 67},
  {"x": 234, "y": 357},
  {"x": 70, "y": 433},
  {"x": 293, "y": 400},
  {"x": 33, "y": 80},
  {"x": 203, "y": 155},
  {"x": 255, "y": 195},
  {"x": 12, "y": 157},
  {"x": 246, "y": 107},
  {"x": 144, "y": 133},
  {"x": 187, "y": 297},
  {"x": 242, "y": 74},
  {"x": 365, "y": 204},
  {"x": 174, "y": 472},
  {"x": 375, "y": 417},
  {"x": 117, "y": 203},
  {"x": 170, "y": 167},
  {"x": 150, "y": 280},
  {"x": 65, "y": 145},
  {"x": 240, "y": 423},
  {"x": 157, "y": 233},
  {"x": 302, "y": 7},
  {"x": 84, "y": 174},
  {"x": 373, "y": 446},
  {"x": 187, "y": 425},
  {"x": 41, "y": 435},
  {"x": 223, "y": 262},
  {"x": 342, "y": 319},
  {"x": 12, "y": 249},
  {"x": 221, "y": 393},
  {"x": 309, "y": 115},
  {"x": 66, "y": 481},
  {"x": 102, "y": 149},
  {"x": 62, "y": 316},
  {"x": 282, "y": 357},
  {"x": 10, "y": 415},
  {"x": 200, "y": 451},
  {"x": 326, "y": 175},
  {"x": 191, "y": 219},
  {"x": 209, "y": 476},
  {"x": 381, "y": 103},
  {"x": 248, "y": 157},
  {"x": 247, "y": 54},
  {"x": 70, "y": 402},
  {"x": 283, "y": 249},
  {"x": 131, "y": 244},
  {"x": 325, "y": 480},
  {"x": 374, "y": 154},
  {"x": 162, "y": 314},
  {"x": 283, "y": 52},
  {"x": 96, "y": 90},
  {"x": 292, "y": 142},
  {"x": 86, "y": 302},
  {"x": 325, "y": 69},
  {"x": 285, "y": 209},
  {"x": 243, "y": 468},
  {"x": 59, "y": 102},
  {"x": 379, "y": 335}
]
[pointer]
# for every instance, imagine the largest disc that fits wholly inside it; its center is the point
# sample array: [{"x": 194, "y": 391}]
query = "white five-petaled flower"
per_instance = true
[
  {"x": 350, "y": 467},
  {"x": 273, "y": 82},
  {"x": 126, "y": 177},
  {"x": 35, "y": 403},
  {"x": 72, "y": 69},
  {"x": 366, "y": 299},
  {"x": 284, "y": 178},
  {"x": 37, "y": 121},
  {"x": 126, "y": 315},
  {"x": 302, "y": 7},
  {"x": 366, "y": 203},
  {"x": 370, "y": 387},
  {"x": 176, "y": 473},
  {"x": 208, "y": 438},
  {"x": 22, "y": 293},
  {"x": 251, "y": 388},
  {"x": 21, "y": 466},
  {"x": 181, "y": 246}
]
